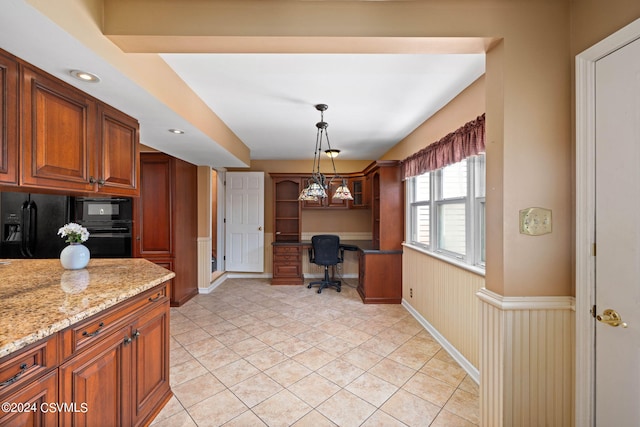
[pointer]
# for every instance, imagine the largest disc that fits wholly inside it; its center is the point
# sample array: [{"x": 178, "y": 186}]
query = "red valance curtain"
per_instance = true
[{"x": 465, "y": 142}]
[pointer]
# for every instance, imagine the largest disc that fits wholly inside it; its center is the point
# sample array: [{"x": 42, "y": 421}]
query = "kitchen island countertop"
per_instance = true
[{"x": 39, "y": 298}]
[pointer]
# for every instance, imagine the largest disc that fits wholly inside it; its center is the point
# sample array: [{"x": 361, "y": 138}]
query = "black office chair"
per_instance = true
[{"x": 326, "y": 251}]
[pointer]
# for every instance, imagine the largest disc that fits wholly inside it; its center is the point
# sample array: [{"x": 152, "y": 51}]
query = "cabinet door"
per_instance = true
[
  {"x": 38, "y": 397},
  {"x": 154, "y": 230},
  {"x": 359, "y": 192},
  {"x": 150, "y": 369},
  {"x": 100, "y": 378},
  {"x": 330, "y": 201},
  {"x": 118, "y": 171},
  {"x": 8, "y": 121},
  {"x": 58, "y": 125}
]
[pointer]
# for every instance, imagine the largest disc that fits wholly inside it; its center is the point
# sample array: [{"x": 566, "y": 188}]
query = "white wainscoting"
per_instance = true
[{"x": 526, "y": 360}]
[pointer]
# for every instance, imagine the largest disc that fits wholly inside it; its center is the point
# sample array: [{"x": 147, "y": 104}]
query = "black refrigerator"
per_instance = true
[{"x": 30, "y": 222}]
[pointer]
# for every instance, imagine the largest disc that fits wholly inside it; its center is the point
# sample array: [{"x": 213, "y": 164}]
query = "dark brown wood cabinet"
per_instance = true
[
  {"x": 328, "y": 202},
  {"x": 118, "y": 169},
  {"x": 56, "y": 137},
  {"x": 165, "y": 225},
  {"x": 287, "y": 258},
  {"x": 360, "y": 192},
  {"x": 58, "y": 134},
  {"x": 381, "y": 268},
  {"x": 8, "y": 120}
]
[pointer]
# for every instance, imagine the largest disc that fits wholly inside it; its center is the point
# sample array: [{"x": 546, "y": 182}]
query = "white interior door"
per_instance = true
[
  {"x": 617, "y": 231},
  {"x": 244, "y": 221}
]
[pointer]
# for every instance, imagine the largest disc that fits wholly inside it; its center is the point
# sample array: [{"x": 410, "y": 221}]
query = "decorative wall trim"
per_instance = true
[
  {"x": 473, "y": 372},
  {"x": 526, "y": 303},
  {"x": 204, "y": 262},
  {"x": 217, "y": 282}
]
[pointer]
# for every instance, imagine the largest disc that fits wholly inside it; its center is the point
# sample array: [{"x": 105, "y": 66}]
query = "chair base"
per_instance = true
[{"x": 326, "y": 282}]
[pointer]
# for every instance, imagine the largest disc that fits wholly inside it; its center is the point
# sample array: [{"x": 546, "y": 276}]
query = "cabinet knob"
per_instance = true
[
  {"x": 92, "y": 180},
  {"x": 101, "y": 181}
]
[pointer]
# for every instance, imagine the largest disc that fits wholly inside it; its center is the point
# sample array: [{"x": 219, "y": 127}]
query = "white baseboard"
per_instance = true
[{"x": 473, "y": 372}]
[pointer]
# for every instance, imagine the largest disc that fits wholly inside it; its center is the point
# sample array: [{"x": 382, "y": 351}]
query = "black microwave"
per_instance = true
[{"x": 92, "y": 209}]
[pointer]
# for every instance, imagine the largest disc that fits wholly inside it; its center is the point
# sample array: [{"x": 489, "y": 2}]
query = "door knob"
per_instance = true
[
  {"x": 611, "y": 318},
  {"x": 260, "y": 228}
]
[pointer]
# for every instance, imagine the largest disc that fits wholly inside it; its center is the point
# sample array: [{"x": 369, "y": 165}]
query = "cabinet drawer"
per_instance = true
[
  {"x": 286, "y": 270},
  {"x": 286, "y": 250},
  {"x": 17, "y": 370},
  {"x": 84, "y": 334},
  {"x": 36, "y": 396}
]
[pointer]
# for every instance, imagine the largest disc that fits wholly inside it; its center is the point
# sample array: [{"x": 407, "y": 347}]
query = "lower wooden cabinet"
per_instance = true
[
  {"x": 380, "y": 280},
  {"x": 116, "y": 375},
  {"x": 287, "y": 265}
]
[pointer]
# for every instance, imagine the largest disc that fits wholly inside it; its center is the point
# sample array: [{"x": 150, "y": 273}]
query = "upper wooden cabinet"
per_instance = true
[
  {"x": 118, "y": 165},
  {"x": 8, "y": 120},
  {"x": 329, "y": 201},
  {"x": 286, "y": 208},
  {"x": 73, "y": 142}
]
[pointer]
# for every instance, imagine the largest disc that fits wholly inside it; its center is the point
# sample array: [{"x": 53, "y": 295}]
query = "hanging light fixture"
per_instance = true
[{"x": 317, "y": 185}]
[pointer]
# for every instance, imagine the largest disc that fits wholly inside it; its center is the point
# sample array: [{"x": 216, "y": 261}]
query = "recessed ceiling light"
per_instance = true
[
  {"x": 84, "y": 76},
  {"x": 176, "y": 131}
]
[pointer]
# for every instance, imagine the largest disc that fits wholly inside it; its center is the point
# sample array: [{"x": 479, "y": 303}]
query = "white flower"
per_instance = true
[{"x": 75, "y": 233}]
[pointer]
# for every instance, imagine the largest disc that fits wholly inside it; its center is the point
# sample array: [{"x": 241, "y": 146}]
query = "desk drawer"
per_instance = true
[{"x": 287, "y": 250}]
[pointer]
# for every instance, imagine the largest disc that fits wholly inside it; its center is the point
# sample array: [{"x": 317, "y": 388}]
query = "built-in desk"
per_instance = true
[{"x": 380, "y": 271}]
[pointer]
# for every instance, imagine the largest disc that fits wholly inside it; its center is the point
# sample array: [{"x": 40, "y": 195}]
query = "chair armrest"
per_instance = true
[{"x": 341, "y": 256}]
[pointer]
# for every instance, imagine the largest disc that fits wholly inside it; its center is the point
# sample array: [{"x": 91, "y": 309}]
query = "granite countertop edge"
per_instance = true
[{"x": 54, "y": 327}]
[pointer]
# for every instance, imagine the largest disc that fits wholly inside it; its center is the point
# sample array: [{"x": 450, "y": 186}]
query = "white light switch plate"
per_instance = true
[{"x": 535, "y": 221}]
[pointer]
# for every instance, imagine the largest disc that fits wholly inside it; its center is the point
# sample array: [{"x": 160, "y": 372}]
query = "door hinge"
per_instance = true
[
  {"x": 593, "y": 250},
  {"x": 593, "y": 311}
]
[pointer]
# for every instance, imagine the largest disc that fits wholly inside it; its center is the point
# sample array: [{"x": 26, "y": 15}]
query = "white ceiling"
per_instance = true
[{"x": 267, "y": 100}]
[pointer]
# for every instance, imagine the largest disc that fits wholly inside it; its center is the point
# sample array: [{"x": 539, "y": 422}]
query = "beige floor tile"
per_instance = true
[
  {"x": 362, "y": 358},
  {"x": 266, "y": 358},
  {"x": 296, "y": 350},
  {"x": 181, "y": 419},
  {"x": 448, "y": 372},
  {"x": 447, "y": 419},
  {"x": 470, "y": 386},
  {"x": 410, "y": 409},
  {"x": 247, "y": 347},
  {"x": 392, "y": 371},
  {"x": 372, "y": 389},
  {"x": 429, "y": 388},
  {"x": 465, "y": 405},
  {"x": 346, "y": 409},
  {"x": 314, "y": 358},
  {"x": 197, "y": 389},
  {"x": 382, "y": 419},
  {"x": 235, "y": 372},
  {"x": 204, "y": 346},
  {"x": 218, "y": 358},
  {"x": 314, "y": 419},
  {"x": 314, "y": 389},
  {"x": 282, "y": 409},
  {"x": 340, "y": 372},
  {"x": 171, "y": 408},
  {"x": 179, "y": 374},
  {"x": 217, "y": 409},
  {"x": 246, "y": 419},
  {"x": 255, "y": 389},
  {"x": 288, "y": 372},
  {"x": 292, "y": 346}
]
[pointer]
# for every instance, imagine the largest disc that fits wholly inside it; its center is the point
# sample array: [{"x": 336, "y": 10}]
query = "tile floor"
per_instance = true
[{"x": 252, "y": 354}]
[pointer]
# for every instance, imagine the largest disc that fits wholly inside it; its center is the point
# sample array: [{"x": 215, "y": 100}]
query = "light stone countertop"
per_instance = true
[{"x": 39, "y": 298}]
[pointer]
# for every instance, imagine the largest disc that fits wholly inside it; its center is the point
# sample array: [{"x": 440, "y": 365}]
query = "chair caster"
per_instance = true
[
  {"x": 319, "y": 291},
  {"x": 308, "y": 286},
  {"x": 338, "y": 289}
]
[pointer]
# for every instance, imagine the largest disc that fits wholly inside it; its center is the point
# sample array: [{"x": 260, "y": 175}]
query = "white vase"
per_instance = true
[{"x": 75, "y": 256}]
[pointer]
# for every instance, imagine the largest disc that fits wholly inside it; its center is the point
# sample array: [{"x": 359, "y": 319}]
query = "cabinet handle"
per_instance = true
[
  {"x": 94, "y": 333},
  {"x": 13, "y": 379},
  {"x": 136, "y": 334},
  {"x": 156, "y": 298},
  {"x": 92, "y": 180},
  {"x": 101, "y": 181},
  {"x": 127, "y": 340}
]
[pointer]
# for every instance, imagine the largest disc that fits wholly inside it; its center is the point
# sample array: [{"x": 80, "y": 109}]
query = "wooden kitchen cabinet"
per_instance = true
[
  {"x": 35, "y": 396},
  {"x": 8, "y": 120},
  {"x": 286, "y": 208},
  {"x": 166, "y": 220},
  {"x": 360, "y": 191},
  {"x": 73, "y": 142},
  {"x": 119, "y": 159},
  {"x": 122, "y": 374},
  {"x": 287, "y": 265},
  {"x": 58, "y": 126},
  {"x": 328, "y": 202}
]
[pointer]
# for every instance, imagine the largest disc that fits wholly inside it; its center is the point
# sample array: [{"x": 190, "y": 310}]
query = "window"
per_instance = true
[{"x": 446, "y": 211}]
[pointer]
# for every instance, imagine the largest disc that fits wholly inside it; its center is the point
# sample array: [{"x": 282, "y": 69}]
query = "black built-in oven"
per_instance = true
[{"x": 109, "y": 222}]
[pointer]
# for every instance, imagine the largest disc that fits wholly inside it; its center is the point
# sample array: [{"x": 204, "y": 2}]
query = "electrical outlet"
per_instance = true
[{"x": 535, "y": 221}]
